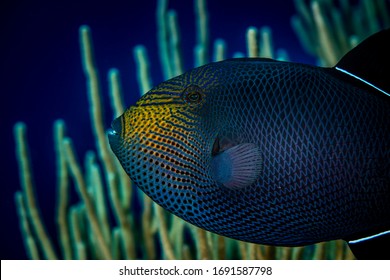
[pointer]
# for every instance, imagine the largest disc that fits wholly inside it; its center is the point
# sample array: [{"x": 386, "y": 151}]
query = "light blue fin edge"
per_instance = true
[
  {"x": 362, "y": 80},
  {"x": 368, "y": 237}
]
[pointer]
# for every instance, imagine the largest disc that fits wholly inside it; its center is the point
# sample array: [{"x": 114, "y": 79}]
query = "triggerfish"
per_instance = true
[{"x": 270, "y": 152}]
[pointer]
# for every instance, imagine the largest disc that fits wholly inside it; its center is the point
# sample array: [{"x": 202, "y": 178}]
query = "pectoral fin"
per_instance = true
[{"x": 238, "y": 166}]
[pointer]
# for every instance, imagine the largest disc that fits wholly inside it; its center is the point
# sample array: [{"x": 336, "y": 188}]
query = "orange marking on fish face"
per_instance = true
[{"x": 147, "y": 119}]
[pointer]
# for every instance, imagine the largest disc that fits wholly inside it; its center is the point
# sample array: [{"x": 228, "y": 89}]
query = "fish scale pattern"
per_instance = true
[{"x": 324, "y": 144}]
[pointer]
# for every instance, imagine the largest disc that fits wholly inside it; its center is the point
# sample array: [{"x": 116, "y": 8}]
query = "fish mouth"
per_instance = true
[
  {"x": 114, "y": 130},
  {"x": 114, "y": 134},
  {"x": 116, "y": 126},
  {"x": 114, "y": 140}
]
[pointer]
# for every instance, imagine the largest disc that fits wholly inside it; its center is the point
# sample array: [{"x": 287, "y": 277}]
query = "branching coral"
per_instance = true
[
  {"x": 328, "y": 30},
  {"x": 85, "y": 229}
]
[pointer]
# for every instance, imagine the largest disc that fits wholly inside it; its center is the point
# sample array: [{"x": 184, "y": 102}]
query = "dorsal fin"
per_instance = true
[
  {"x": 251, "y": 59},
  {"x": 370, "y": 61}
]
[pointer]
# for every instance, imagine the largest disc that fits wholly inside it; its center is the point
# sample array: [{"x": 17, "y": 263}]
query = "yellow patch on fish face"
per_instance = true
[
  {"x": 164, "y": 118},
  {"x": 173, "y": 114},
  {"x": 160, "y": 135}
]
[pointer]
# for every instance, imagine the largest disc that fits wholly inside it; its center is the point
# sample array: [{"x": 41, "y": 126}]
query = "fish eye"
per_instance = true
[
  {"x": 192, "y": 94},
  {"x": 193, "y": 97}
]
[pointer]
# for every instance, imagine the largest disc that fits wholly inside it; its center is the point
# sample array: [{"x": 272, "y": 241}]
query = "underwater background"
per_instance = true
[{"x": 42, "y": 77}]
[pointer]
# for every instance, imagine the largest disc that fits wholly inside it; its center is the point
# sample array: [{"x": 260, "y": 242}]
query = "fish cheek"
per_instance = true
[
  {"x": 153, "y": 174},
  {"x": 144, "y": 157}
]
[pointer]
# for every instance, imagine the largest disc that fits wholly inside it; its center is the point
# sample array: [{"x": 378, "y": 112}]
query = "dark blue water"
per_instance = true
[{"x": 41, "y": 76}]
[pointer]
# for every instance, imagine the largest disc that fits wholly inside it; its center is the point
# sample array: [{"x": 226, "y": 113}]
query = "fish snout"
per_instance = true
[
  {"x": 114, "y": 134},
  {"x": 116, "y": 125}
]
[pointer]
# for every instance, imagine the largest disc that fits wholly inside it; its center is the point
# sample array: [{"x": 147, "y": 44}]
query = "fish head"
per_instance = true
[{"x": 165, "y": 143}]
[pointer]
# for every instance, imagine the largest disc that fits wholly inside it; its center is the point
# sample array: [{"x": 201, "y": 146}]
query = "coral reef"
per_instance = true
[
  {"x": 113, "y": 219},
  {"x": 328, "y": 29}
]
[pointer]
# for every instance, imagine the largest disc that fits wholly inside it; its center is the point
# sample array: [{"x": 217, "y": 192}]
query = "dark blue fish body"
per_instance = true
[
  {"x": 265, "y": 151},
  {"x": 324, "y": 148}
]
